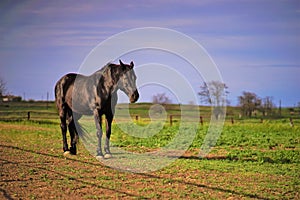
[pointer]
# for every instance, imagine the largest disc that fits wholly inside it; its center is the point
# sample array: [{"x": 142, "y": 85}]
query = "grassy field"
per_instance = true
[{"x": 251, "y": 160}]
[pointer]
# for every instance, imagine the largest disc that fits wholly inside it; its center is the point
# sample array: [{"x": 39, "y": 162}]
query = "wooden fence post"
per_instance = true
[
  {"x": 28, "y": 115},
  {"x": 291, "y": 122},
  {"x": 171, "y": 120},
  {"x": 136, "y": 118},
  {"x": 201, "y": 120},
  {"x": 232, "y": 120}
]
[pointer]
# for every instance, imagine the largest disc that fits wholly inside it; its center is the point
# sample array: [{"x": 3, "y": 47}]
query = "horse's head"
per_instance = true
[{"x": 127, "y": 82}]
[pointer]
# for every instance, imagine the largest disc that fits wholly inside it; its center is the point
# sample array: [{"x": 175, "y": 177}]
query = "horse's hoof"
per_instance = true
[
  {"x": 73, "y": 151},
  {"x": 100, "y": 158},
  {"x": 67, "y": 153},
  {"x": 108, "y": 155}
]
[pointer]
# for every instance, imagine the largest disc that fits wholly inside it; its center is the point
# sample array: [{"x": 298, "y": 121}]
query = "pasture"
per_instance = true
[{"x": 251, "y": 160}]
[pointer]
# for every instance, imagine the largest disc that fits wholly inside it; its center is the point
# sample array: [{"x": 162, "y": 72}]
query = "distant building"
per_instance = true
[{"x": 10, "y": 98}]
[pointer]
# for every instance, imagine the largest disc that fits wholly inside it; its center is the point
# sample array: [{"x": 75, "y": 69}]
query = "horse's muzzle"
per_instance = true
[{"x": 134, "y": 97}]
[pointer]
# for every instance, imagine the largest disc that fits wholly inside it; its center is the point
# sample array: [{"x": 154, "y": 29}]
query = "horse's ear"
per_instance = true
[
  {"x": 131, "y": 65},
  {"x": 122, "y": 64}
]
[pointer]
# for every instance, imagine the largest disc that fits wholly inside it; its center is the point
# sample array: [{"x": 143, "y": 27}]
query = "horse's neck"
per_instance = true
[{"x": 107, "y": 80}]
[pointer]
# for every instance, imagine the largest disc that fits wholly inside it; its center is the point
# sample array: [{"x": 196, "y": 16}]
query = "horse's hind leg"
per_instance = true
[
  {"x": 74, "y": 136},
  {"x": 63, "y": 126}
]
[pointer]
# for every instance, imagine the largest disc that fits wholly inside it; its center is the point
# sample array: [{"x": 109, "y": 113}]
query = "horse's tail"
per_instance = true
[
  {"x": 81, "y": 131},
  {"x": 87, "y": 137}
]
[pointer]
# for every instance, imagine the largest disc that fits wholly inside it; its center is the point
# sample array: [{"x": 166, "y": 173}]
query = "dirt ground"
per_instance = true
[{"x": 29, "y": 174}]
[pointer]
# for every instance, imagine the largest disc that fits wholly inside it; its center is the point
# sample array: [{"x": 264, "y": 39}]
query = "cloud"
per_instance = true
[
  {"x": 77, "y": 24},
  {"x": 288, "y": 65}
]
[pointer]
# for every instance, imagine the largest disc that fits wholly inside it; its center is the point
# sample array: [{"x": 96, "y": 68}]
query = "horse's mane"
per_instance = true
[{"x": 105, "y": 67}]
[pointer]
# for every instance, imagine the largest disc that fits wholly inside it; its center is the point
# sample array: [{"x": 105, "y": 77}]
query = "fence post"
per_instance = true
[
  {"x": 232, "y": 120},
  {"x": 136, "y": 118},
  {"x": 171, "y": 120},
  {"x": 291, "y": 122},
  {"x": 261, "y": 120},
  {"x": 28, "y": 115},
  {"x": 201, "y": 120}
]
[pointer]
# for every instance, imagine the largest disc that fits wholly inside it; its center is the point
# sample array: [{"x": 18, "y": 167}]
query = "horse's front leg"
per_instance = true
[
  {"x": 108, "y": 133},
  {"x": 98, "y": 123}
]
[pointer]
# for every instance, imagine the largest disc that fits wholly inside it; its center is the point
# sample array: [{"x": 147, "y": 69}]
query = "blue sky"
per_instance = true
[{"x": 255, "y": 44}]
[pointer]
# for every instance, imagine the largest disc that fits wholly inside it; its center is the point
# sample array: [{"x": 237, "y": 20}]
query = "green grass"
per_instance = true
[{"x": 275, "y": 143}]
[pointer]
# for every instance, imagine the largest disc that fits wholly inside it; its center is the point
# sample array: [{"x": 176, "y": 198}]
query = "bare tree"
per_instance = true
[
  {"x": 267, "y": 105},
  {"x": 2, "y": 87},
  {"x": 214, "y": 92},
  {"x": 249, "y": 102},
  {"x": 161, "y": 98}
]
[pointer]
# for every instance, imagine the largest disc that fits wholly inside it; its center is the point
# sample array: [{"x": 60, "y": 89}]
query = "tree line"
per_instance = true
[
  {"x": 215, "y": 93},
  {"x": 249, "y": 102}
]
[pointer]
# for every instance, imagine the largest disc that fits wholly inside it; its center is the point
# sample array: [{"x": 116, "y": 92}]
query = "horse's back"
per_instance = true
[{"x": 65, "y": 96}]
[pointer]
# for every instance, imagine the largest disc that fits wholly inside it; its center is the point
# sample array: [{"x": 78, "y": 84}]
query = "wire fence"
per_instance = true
[
  {"x": 27, "y": 115},
  {"x": 170, "y": 119}
]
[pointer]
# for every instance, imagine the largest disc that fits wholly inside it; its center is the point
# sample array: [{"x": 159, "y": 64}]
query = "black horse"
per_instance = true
[{"x": 77, "y": 95}]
